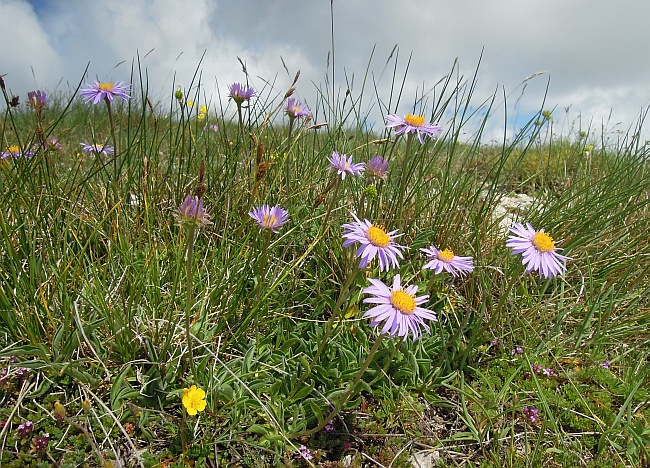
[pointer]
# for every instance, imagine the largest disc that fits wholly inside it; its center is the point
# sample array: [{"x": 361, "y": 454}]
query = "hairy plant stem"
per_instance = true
[{"x": 189, "y": 299}]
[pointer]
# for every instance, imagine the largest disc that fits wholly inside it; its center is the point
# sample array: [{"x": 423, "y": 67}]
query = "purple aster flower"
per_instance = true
[
  {"x": 375, "y": 241},
  {"x": 531, "y": 413},
  {"x": 105, "y": 91},
  {"x": 240, "y": 93},
  {"x": 376, "y": 167},
  {"x": 37, "y": 100},
  {"x": 269, "y": 217},
  {"x": 97, "y": 149},
  {"x": 15, "y": 152},
  {"x": 440, "y": 260},
  {"x": 191, "y": 213},
  {"x": 398, "y": 307},
  {"x": 538, "y": 249},
  {"x": 296, "y": 108},
  {"x": 343, "y": 164},
  {"x": 412, "y": 124},
  {"x": 24, "y": 429}
]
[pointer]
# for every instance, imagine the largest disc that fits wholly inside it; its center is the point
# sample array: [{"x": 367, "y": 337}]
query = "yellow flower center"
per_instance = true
[
  {"x": 446, "y": 255},
  {"x": 107, "y": 87},
  {"x": 296, "y": 110},
  {"x": 269, "y": 220},
  {"x": 543, "y": 242},
  {"x": 377, "y": 236},
  {"x": 403, "y": 301},
  {"x": 414, "y": 120},
  {"x": 13, "y": 149}
]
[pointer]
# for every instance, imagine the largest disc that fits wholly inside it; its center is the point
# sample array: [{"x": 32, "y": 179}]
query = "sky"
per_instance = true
[{"x": 588, "y": 58}]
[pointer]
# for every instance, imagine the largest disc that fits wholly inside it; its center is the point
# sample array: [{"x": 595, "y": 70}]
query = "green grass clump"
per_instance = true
[{"x": 110, "y": 307}]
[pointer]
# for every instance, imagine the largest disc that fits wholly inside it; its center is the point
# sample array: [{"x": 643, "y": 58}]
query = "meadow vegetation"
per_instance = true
[{"x": 140, "y": 327}]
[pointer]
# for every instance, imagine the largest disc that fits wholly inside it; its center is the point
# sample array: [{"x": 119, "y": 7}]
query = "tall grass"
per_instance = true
[{"x": 93, "y": 296}]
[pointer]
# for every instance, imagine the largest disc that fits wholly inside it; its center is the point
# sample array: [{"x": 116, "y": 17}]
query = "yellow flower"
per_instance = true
[
  {"x": 203, "y": 109},
  {"x": 190, "y": 102},
  {"x": 193, "y": 400},
  {"x": 201, "y": 116}
]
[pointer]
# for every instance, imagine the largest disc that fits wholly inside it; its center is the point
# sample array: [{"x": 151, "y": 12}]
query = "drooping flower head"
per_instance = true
[
  {"x": 105, "y": 91},
  {"x": 37, "y": 100},
  {"x": 398, "y": 307},
  {"x": 374, "y": 242},
  {"x": 296, "y": 108},
  {"x": 269, "y": 217},
  {"x": 344, "y": 165},
  {"x": 538, "y": 250},
  {"x": 412, "y": 124},
  {"x": 97, "y": 148},
  {"x": 191, "y": 213},
  {"x": 440, "y": 260},
  {"x": 377, "y": 167},
  {"x": 193, "y": 400},
  {"x": 15, "y": 152},
  {"x": 240, "y": 93}
]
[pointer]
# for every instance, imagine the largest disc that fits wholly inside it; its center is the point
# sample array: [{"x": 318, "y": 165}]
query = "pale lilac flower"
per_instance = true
[
  {"x": 105, "y": 91},
  {"x": 531, "y": 413},
  {"x": 376, "y": 167},
  {"x": 537, "y": 368},
  {"x": 538, "y": 250},
  {"x": 398, "y": 307},
  {"x": 37, "y": 100},
  {"x": 606, "y": 364},
  {"x": 343, "y": 164},
  {"x": 97, "y": 148},
  {"x": 412, "y": 124},
  {"x": 517, "y": 350},
  {"x": 240, "y": 93},
  {"x": 191, "y": 213},
  {"x": 548, "y": 371},
  {"x": 440, "y": 260},
  {"x": 212, "y": 127},
  {"x": 329, "y": 427},
  {"x": 269, "y": 217},
  {"x": 305, "y": 453},
  {"x": 375, "y": 241},
  {"x": 24, "y": 429},
  {"x": 296, "y": 108}
]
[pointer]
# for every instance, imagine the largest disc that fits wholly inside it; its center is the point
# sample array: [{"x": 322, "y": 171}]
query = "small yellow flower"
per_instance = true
[
  {"x": 193, "y": 400},
  {"x": 190, "y": 103},
  {"x": 203, "y": 109},
  {"x": 201, "y": 116}
]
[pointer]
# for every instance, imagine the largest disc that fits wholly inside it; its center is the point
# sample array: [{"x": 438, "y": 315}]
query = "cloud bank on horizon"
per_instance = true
[{"x": 592, "y": 51}]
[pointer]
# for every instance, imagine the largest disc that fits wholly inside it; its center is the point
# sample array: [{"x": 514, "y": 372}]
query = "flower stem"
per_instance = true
[{"x": 189, "y": 254}]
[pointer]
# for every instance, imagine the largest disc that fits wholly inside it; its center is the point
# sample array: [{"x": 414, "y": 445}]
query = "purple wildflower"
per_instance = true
[
  {"x": 398, "y": 307},
  {"x": 531, "y": 413},
  {"x": 440, "y": 260},
  {"x": 296, "y": 108},
  {"x": 191, "y": 213},
  {"x": 377, "y": 167},
  {"x": 269, "y": 217},
  {"x": 97, "y": 149},
  {"x": 305, "y": 453},
  {"x": 105, "y": 91},
  {"x": 412, "y": 124},
  {"x": 538, "y": 250},
  {"x": 40, "y": 443},
  {"x": 240, "y": 93},
  {"x": 343, "y": 164},
  {"x": 517, "y": 350},
  {"x": 24, "y": 429},
  {"x": 37, "y": 100},
  {"x": 375, "y": 241}
]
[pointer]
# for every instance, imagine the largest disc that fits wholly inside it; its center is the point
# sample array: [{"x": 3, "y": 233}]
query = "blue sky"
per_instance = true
[{"x": 592, "y": 51}]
